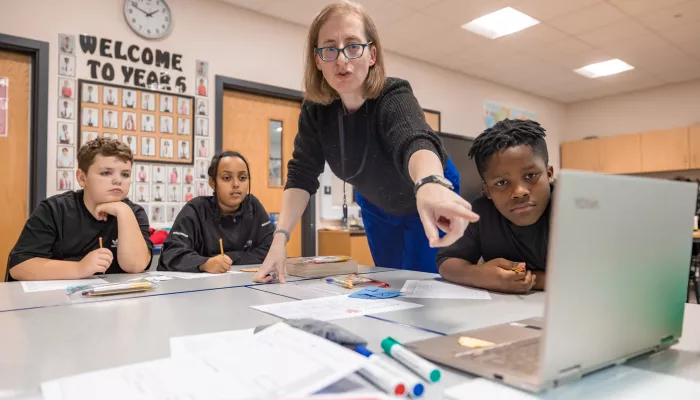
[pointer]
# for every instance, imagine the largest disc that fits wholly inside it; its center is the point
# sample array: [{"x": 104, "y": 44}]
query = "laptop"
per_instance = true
[{"x": 617, "y": 281}]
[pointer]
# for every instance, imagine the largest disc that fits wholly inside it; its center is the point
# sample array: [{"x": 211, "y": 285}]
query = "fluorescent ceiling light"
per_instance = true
[
  {"x": 500, "y": 23},
  {"x": 604, "y": 68}
]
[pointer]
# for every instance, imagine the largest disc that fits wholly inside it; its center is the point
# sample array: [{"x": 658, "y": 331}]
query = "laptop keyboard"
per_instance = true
[{"x": 522, "y": 356}]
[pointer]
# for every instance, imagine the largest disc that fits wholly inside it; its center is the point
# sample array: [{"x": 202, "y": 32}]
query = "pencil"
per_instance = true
[
  {"x": 100, "y": 241},
  {"x": 221, "y": 246}
]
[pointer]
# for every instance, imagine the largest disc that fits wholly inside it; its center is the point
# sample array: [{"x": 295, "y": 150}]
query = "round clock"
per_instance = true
[{"x": 150, "y": 19}]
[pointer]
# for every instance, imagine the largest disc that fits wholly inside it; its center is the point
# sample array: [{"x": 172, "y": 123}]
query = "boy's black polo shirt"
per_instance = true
[
  {"x": 62, "y": 228},
  {"x": 493, "y": 236}
]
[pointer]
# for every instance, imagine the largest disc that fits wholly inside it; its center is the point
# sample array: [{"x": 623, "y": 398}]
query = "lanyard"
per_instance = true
[{"x": 341, "y": 130}]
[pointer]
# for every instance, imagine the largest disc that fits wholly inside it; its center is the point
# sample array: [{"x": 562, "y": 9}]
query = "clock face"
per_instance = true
[{"x": 150, "y": 19}]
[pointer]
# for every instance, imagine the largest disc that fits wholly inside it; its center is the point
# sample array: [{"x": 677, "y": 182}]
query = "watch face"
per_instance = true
[{"x": 150, "y": 19}]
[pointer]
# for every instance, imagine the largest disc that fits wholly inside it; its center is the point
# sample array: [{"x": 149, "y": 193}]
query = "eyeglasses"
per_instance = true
[{"x": 351, "y": 51}]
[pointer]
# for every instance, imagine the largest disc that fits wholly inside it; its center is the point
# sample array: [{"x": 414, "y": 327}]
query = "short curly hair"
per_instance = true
[{"x": 104, "y": 147}]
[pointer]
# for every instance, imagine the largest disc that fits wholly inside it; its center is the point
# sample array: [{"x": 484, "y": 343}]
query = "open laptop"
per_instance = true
[{"x": 617, "y": 281}]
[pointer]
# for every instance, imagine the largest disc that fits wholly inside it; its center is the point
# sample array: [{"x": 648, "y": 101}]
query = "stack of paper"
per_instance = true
[
  {"x": 431, "y": 289},
  {"x": 333, "y": 307},
  {"x": 279, "y": 361}
]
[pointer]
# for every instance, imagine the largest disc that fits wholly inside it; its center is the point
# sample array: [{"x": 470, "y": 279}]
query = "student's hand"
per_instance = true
[
  {"x": 516, "y": 282},
  {"x": 275, "y": 262},
  {"x": 96, "y": 261},
  {"x": 113, "y": 208},
  {"x": 440, "y": 207},
  {"x": 506, "y": 264},
  {"x": 217, "y": 265}
]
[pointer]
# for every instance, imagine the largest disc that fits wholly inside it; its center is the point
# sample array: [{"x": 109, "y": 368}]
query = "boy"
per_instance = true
[
  {"x": 513, "y": 230},
  {"x": 61, "y": 238}
]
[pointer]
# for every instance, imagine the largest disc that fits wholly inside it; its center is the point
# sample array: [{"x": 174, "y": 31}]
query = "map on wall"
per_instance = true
[{"x": 494, "y": 112}]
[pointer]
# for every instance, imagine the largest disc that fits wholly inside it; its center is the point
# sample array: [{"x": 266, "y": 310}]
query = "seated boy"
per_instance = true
[
  {"x": 513, "y": 229},
  {"x": 61, "y": 239}
]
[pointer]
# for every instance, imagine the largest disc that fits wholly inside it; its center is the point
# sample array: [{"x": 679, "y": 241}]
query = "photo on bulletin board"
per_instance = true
[
  {"x": 88, "y": 136},
  {"x": 66, "y": 64},
  {"x": 202, "y": 87},
  {"x": 183, "y": 106},
  {"x": 66, "y": 43},
  {"x": 201, "y": 127},
  {"x": 65, "y": 157},
  {"x": 188, "y": 175},
  {"x": 64, "y": 179},
  {"x": 142, "y": 173},
  {"x": 157, "y": 214},
  {"x": 66, "y": 132},
  {"x": 202, "y": 168},
  {"x": 187, "y": 192},
  {"x": 66, "y": 88},
  {"x": 158, "y": 192},
  {"x": 141, "y": 193},
  {"x": 109, "y": 135},
  {"x": 174, "y": 174},
  {"x": 202, "y": 107},
  {"x": 173, "y": 211},
  {"x": 202, "y": 148},
  {"x": 201, "y": 188},
  {"x": 136, "y": 114},
  {"x": 202, "y": 69},
  {"x": 174, "y": 193},
  {"x": 159, "y": 173},
  {"x": 66, "y": 109}
]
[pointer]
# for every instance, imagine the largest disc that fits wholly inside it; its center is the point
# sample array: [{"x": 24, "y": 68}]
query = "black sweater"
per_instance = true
[
  {"x": 194, "y": 237},
  {"x": 390, "y": 127}
]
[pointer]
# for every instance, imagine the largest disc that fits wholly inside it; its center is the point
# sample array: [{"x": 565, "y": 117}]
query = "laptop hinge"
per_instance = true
[{"x": 569, "y": 374}]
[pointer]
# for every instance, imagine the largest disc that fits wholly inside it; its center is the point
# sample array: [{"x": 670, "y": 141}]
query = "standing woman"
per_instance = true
[{"x": 372, "y": 133}]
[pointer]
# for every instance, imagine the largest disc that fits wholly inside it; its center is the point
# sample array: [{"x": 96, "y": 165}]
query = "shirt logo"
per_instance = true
[
  {"x": 180, "y": 233},
  {"x": 266, "y": 223},
  {"x": 114, "y": 243}
]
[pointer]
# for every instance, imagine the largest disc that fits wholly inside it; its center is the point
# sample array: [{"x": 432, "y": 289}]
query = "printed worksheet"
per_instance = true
[
  {"x": 198, "y": 344},
  {"x": 190, "y": 275},
  {"x": 431, "y": 289},
  {"x": 334, "y": 307},
  {"x": 45, "y": 286},
  {"x": 277, "y": 362}
]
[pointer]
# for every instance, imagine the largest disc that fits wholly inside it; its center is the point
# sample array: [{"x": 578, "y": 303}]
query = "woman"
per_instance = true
[
  {"x": 372, "y": 132},
  {"x": 231, "y": 215}
]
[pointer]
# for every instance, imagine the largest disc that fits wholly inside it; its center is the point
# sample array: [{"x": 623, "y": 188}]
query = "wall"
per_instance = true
[
  {"x": 665, "y": 107},
  {"x": 242, "y": 44}
]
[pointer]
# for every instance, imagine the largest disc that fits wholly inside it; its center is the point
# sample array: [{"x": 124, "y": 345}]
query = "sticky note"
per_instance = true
[
  {"x": 473, "y": 343},
  {"x": 375, "y": 293}
]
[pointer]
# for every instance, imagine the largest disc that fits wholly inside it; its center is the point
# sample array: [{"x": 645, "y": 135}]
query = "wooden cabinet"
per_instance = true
[
  {"x": 582, "y": 155},
  {"x": 665, "y": 150},
  {"x": 621, "y": 154},
  {"x": 694, "y": 138},
  {"x": 344, "y": 243}
]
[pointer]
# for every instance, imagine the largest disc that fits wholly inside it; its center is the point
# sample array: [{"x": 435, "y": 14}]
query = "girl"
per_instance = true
[
  {"x": 231, "y": 215},
  {"x": 372, "y": 132},
  {"x": 188, "y": 176}
]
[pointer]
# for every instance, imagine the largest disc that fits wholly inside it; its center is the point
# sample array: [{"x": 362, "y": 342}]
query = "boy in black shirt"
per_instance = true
[
  {"x": 61, "y": 239},
  {"x": 513, "y": 231}
]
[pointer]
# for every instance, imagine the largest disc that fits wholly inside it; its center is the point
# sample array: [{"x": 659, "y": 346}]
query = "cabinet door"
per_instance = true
[
  {"x": 621, "y": 154},
  {"x": 582, "y": 155},
  {"x": 665, "y": 150},
  {"x": 695, "y": 147}
]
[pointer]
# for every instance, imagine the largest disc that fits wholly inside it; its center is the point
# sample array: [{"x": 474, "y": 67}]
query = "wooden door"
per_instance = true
[
  {"x": 14, "y": 152},
  {"x": 694, "y": 138},
  {"x": 621, "y": 154},
  {"x": 582, "y": 155},
  {"x": 665, "y": 150},
  {"x": 246, "y": 129}
]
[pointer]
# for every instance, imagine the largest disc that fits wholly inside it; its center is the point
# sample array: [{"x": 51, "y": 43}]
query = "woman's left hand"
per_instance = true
[{"x": 440, "y": 207}]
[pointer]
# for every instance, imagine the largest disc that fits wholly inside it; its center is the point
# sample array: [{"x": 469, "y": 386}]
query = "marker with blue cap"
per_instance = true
[
  {"x": 396, "y": 381},
  {"x": 415, "y": 363}
]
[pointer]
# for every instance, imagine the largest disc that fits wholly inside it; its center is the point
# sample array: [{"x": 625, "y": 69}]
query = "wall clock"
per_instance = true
[{"x": 150, "y": 19}]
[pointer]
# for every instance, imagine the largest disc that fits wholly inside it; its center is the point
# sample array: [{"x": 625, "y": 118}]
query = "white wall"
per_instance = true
[
  {"x": 669, "y": 106},
  {"x": 242, "y": 44}
]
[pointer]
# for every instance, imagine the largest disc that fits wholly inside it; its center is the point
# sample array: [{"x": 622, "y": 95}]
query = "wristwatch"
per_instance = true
[
  {"x": 439, "y": 179},
  {"x": 285, "y": 233}
]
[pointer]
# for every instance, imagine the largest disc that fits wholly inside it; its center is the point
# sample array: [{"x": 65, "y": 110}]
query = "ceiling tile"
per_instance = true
[
  {"x": 459, "y": 12},
  {"x": 630, "y": 80},
  {"x": 682, "y": 34},
  {"x": 666, "y": 55},
  {"x": 691, "y": 47},
  {"x": 621, "y": 30},
  {"x": 560, "y": 48},
  {"x": 642, "y": 44},
  {"x": 537, "y": 35},
  {"x": 415, "y": 4},
  {"x": 249, "y": 4},
  {"x": 587, "y": 19},
  {"x": 581, "y": 59},
  {"x": 678, "y": 14},
  {"x": 637, "y": 7},
  {"x": 384, "y": 12},
  {"x": 680, "y": 73},
  {"x": 545, "y": 10},
  {"x": 300, "y": 12}
]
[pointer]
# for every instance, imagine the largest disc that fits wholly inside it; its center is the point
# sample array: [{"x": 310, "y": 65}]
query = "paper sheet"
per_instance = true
[
  {"x": 278, "y": 362},
  {"x": 334, "y": 307},
  {"x": 431, "y": 289},
  {"x": 45, "y": 286},
  {"x": 197, "y": 344},
  {"x": 190, "y": 275},
  {"x": 618, "y": 383}
]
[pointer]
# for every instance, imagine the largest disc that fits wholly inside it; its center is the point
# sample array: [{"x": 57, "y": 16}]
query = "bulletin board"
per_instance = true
[{"x": 158, "y": 126}]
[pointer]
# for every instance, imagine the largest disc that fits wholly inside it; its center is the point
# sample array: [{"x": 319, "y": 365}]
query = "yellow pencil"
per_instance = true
[
  {"x": 221, "y": 246},
  {"x": 100, "y": 241}
]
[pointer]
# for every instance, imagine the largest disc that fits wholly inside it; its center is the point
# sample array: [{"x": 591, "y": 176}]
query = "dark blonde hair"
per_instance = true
[
  {"x": 104, "y": 147},
  {"x": 316, "y": 88}
]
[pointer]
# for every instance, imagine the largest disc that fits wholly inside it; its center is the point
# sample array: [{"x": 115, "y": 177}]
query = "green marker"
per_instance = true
[{"x": 417, "y": 364}]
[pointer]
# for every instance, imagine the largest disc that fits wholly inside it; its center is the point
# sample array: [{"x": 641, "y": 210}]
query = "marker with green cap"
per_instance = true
[{"x": 420, "y": 366}]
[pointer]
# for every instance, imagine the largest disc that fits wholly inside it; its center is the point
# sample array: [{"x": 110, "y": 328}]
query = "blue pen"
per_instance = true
[{"x": 413, "y": 385}]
